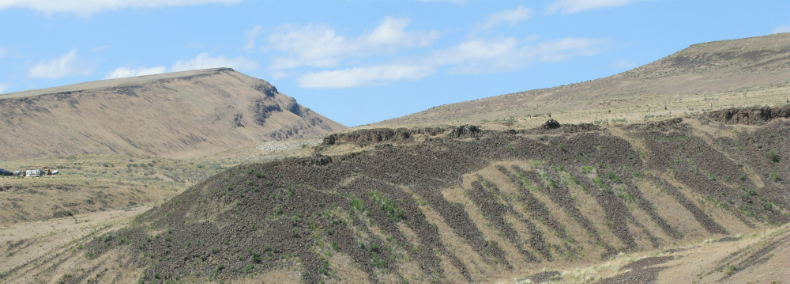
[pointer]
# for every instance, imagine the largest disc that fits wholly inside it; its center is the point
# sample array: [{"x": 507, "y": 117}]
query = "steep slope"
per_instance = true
[
  {"x": 714, "y": 75},
  {"x": 451, "y": 205},
  {"x": 174, "y": 115}
]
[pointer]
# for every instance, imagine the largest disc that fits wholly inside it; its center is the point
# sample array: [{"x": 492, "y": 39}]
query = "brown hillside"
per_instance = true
[
  {"x": 464, "y": 204},
  {"x": 175, "y": 115},
  {"x": 715, "y": 75}
]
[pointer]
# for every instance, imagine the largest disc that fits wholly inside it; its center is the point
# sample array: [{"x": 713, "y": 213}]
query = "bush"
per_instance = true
[
  {"x": 388, "y": 206},
  {"x": 612, "y": 176},
  {"x": 357, "y": 203},
  {"x": 775, "y": 176},
  {"x": 772, "y": 155}
]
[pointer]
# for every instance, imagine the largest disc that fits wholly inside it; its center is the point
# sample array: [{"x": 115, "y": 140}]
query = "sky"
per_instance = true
[{"x": 360, "y": 62}]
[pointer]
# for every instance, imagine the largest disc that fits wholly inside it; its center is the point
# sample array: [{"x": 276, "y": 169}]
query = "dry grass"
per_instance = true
[
  {"x": 178, "y": 115},
  {"x": 680, "y": 84}
]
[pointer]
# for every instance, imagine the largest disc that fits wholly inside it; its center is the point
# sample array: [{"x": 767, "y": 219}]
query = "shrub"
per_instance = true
[
  {"x": 357, "y": 203},
  {"x": 612, "y": 176},
  {"x": 772, "y": 155},
  {"x": 775, "y": 176},
  {"x": 388, "y": 206},
  {"x": 377, "y": 262},
  {"x": 731, "y": 269}
]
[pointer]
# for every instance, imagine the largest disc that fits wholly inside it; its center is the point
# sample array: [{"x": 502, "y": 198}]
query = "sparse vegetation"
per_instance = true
[{"x": 772, "y": 155}]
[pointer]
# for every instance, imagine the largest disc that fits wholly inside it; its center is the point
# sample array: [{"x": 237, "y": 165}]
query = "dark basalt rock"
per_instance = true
[
  {"x": 749, "y": 116},
  {"x": 466, "y": 131},
  {"x": 551, "y": 124}
]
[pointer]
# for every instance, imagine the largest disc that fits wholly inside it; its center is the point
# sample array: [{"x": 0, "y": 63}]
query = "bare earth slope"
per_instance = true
[
  {"x": 714, "y": 75},
  {"x": 175, "y": 115}
]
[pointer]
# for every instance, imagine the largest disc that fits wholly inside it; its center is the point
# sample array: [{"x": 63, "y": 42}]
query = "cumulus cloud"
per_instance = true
[
  {"x": 512, "y": 17},
  {"x": 122, "y": 72},
  {"x": 64, "y": 66},
  {"x": 508, "y": 53},
  {"x": 3, "y": 87},
  {"x": 573, "y": 6},
  {"x": 469, "y": 57},
  {"x": 321, "y": 46},
  {"x": 204, "y": 61},
  {"x": 251, "y": 35},
  {"x": 364, "y": 76},
  {"x": 88, "y": 7},
  {"x": 781, "y": 29}
]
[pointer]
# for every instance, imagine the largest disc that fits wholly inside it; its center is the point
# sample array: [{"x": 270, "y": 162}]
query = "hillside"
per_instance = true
[
  {"x": 703, "y": 77},
  {"x": 465, "y": 204},
  {"x": 175, "y": 115}
]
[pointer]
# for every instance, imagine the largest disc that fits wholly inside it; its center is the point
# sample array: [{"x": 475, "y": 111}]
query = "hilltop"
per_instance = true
[
  {"x": 174, "y": 115},
  {"x": 703, "y": 77}
]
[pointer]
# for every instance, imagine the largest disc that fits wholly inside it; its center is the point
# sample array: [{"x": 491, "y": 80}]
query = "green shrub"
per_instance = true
[
  {"x": 388, "y": 206},
  {"x": 612, "y": 176},
  {"x": 775, "y": 176},
  {"x": 357, "y": 203},
  {"x": 377, "y": 262},
  {"x": 772, "y": 155}
]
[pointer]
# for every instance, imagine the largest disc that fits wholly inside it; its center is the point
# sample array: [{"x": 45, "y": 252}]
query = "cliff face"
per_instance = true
[{"x": 176, "y": 115}]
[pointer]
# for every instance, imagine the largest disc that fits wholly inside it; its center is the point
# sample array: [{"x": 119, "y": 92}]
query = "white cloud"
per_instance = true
[
  {"x": 513, "y": 17},
  {"x": 64, "y": 66},
  {"x": 277, "y": 75},
  {"x": 204, "y": 61},
  {"x": 88, "y": 7},
  {"x": 470, "y": 57},
  {"x": 320, "y": 46},
  {"x": 573, "y": 6},
  {"x": 251, "y": 35},
  {"x": 122, "y": 72},
  {"x": 624, "y": 64},
  {"x": 364, "y": 76},
  {"x": 3, "y": 87},
  {"x": 459, "y": 2},
  {"x": 507, "y": 54},
  {"x": 781, "y": 29}
]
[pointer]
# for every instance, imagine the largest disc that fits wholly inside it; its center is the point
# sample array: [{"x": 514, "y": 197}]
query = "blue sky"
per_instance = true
[{"x": 360, "y": 62}]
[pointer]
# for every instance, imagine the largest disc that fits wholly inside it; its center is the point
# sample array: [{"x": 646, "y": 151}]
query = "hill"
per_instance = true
[
  {"x": 468, "y": 205},
  {"x": 175, "y": 115},
  {"x": 694, "y": 192},
  {"x": 703, "y": 77}
]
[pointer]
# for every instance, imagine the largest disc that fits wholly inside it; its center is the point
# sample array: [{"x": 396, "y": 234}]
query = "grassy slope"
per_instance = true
[
  {"x": 179, "y": 115},
  {"x": 703, "y": 77}
]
